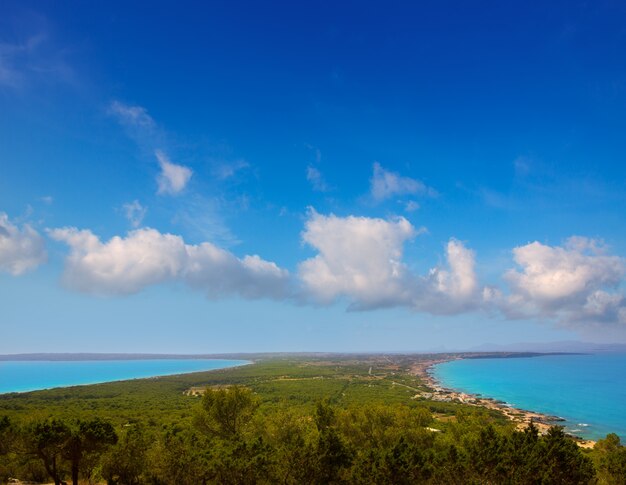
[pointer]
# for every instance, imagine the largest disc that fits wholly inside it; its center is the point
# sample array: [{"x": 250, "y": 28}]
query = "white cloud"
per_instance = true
[
  {"x": 603, "y": 307},
  {"x": 126, "y": 265},
  {"x": 359, "y": 258},
  {"x": 385, "y": 184},
  {"x": 452, "y": 288},
  {"x": 313, "y": 174},
  {"x": 136, "y": 116},
  {"x": 459, "y": 281},
  {"x": 315, "y": 177},
  {"x": 551, "y": 275},
  {"x": 574, "y": 282},
  {"x": 220, "y": 273},
  {"x": 121, "y": 265},
  {"x": 138, "y": 125},
  {"x": 134, "y": 212},
  {"x": 173, "y": 178},
  {"x": 21, "y": 250}
]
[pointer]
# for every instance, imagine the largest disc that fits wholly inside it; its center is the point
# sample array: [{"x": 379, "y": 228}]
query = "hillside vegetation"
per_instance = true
[{"x": 292, "y": 420}]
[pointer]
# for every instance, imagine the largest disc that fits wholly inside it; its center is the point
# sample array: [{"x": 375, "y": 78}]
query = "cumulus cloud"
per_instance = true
[
  {"x": 449, "y": 288},
  {"x": 219, "y": 273},
  {"x": 459, "y": 280},
  {"x": 574, "y": 282},
  {"x": 173, "y": 178},
  {"x": 602, "y": 307},
  {"x": 359, "y": 258},
  {"x": 385, "y": 184},
  {"x": 121, "y": 265},
  {"x": 21, "y": 250},
  {"x": 134, "y": 212},
  {"x": 552, "y": 275},
  {"x": 145, "y": 257}
]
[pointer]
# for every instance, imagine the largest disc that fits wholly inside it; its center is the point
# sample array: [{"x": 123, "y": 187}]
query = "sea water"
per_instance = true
[
  {"x": 588, "y": 391},
  {"x": 20, "y": 376}
]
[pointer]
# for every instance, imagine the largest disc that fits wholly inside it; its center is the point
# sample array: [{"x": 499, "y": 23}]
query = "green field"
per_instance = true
[{"x": 298, "y": 382}]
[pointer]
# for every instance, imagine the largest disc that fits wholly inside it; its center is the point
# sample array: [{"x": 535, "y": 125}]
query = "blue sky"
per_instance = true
[{"x": 238, "y": 176}]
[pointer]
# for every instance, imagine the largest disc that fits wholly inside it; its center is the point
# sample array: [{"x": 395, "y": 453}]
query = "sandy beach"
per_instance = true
[{"x": 522, "y": 417}]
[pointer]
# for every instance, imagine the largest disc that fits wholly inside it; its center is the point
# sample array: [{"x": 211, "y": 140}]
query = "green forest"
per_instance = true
[{"x": 289, "y": 420}]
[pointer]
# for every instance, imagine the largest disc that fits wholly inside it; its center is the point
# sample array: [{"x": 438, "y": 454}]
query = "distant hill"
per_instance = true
[
  {"x": 505, "y": 349},
  {"x": 566, "y": 346}
]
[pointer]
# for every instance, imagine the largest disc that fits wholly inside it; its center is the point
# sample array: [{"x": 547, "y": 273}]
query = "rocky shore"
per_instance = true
[{"x": 522, "y": 417}]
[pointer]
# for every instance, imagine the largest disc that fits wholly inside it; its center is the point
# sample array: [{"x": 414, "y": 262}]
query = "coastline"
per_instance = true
[
  {"x": 521, "y": 417},
  {"x": 240, "y": 362}
]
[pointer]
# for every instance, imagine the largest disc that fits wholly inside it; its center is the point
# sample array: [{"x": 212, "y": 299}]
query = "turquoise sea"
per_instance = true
[
  {"x": 20, "y": 376},
  {"x": 588, "y": 391}
]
